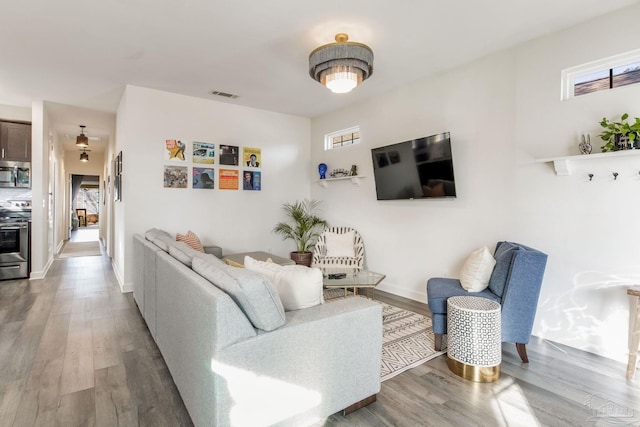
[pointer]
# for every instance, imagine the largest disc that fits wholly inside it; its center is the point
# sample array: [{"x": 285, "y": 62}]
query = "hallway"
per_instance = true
[{"x": 75, "y": 351}]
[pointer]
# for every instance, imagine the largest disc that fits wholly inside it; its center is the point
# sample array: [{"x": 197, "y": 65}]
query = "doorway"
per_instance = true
[{"x": 85, "y": 208}]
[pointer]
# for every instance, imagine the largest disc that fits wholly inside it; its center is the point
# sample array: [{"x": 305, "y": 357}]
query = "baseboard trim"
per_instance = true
[
  {"x": 401, "y": 292},
  {"x": 36, "y": 275}
]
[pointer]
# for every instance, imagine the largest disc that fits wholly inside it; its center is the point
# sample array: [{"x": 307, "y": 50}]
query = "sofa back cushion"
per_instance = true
[
  {"x": 183, "y": 252},
  {"x": 504, "y": 254},
  {"x": 152, "y": 233},
  {"x": 253, "y": 293}
]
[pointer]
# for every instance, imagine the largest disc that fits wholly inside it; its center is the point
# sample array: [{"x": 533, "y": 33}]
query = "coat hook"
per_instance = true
[
  {"x": 615, "y": 176},
  {"x": 591, "y": 176}
]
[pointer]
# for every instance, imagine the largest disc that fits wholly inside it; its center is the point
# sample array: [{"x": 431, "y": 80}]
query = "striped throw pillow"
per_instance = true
[{"x": 190, "y": 239}]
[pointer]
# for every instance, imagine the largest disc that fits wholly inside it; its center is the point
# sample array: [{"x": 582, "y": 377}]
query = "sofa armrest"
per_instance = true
[
  {"x": 213, "y": 250},
  {"x": 322, "y": 360}
]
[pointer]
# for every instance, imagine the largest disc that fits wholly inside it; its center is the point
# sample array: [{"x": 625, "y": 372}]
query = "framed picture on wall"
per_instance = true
[{"x": 117, "y": 179}]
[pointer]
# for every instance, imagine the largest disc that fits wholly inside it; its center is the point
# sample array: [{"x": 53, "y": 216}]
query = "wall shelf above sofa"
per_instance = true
[
  {"x": 355, "y": 180},
  {"x": 562, "y": 165}
]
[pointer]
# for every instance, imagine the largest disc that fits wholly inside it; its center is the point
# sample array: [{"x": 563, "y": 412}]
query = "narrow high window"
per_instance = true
[
  {"x": 608, "y": 73},
  {"x": 342, "y": 138}
]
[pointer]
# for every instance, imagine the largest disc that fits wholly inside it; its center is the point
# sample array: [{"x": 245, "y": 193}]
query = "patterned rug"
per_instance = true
[{"x": 407, "y": 338}]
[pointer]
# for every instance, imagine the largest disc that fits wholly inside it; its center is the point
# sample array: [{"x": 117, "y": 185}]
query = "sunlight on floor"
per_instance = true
[
  {"x": 89, "y": 233},
  {"x": 512, "y": 406},
  {"x": 263, "y": 401}
]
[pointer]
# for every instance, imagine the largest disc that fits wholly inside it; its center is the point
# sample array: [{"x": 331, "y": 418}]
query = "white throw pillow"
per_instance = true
[
  {"x": 477, "y": 269},
  {"x": 298, "y": 286},
  {"x": 339, "y": 245}
]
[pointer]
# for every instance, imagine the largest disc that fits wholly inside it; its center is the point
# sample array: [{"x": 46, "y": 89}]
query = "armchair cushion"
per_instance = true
[
  {"x": 505, "y": 251},
  {"x": 440, "y": 289},
  {"x": 339, "y": 245}
]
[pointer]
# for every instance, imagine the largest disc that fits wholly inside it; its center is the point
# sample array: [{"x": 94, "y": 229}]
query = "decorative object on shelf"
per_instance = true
[
  {"x": 303, "y": 226},
  {"x": 620, "y": 135},
  {"x": 341, "y": 66},
  {"x": 585, "y": 145},
  {"x": 322, "y": 170},
  {"x": 590, "y": 177},
  {"x": 339, "y": 173},
  {"x": 353, "y": 171},
  {"x": 615, "y": 176}
]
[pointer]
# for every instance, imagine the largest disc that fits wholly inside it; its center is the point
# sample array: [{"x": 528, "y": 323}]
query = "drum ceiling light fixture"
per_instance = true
[
  {"x": 341, "y": 66},
  {"x": 82, "y": 140},
  {"x": 84, "y": 156}
]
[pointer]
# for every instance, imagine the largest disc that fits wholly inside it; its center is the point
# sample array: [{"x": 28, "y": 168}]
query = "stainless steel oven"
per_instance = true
[{"x": 14, "y": 242}]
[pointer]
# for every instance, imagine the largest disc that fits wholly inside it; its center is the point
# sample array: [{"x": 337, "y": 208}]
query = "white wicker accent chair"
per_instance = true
[{"x": 322, "y": 255}]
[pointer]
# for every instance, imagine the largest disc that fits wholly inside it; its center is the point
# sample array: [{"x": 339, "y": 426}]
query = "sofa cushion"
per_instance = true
[
  {"x": 339, "y": 244},
  {"x": 183, "y": 252},
  {"x": 152, "y": 233},
  {"x": 298, "y": 286},
  {"x": 477, "y": 269},
  {"x": 163, "y": 241},
  {"x": 505, "y": 251},
  {"x": 190, "y": 239},
  {"x": 253, "y": 293}
]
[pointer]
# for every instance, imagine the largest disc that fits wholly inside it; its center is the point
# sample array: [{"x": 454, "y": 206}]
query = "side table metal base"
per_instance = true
[{"x": 479, "y": 374}]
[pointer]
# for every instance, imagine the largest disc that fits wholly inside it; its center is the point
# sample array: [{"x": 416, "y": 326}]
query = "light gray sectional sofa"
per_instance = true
[{"x": 236, "y": 356}]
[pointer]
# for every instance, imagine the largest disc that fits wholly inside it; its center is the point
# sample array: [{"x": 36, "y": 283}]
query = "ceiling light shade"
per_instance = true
[
  {"x": 82, "y": 140},
  {"x": 341, "y": 66},
  {"x": 84, "y": 157}
]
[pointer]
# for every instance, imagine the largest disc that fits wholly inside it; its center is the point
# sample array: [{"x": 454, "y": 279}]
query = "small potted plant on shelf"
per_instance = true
[
  {"x": 620, "y": 135},
  {"x": 303, "y": 227}
]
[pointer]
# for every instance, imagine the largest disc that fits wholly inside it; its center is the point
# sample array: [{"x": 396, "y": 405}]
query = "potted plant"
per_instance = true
[
  {"x": 303, "y": 227},
  {"x": 620, "y": 135}
]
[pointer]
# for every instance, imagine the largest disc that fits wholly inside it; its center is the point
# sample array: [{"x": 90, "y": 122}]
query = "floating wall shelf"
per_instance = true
[
  {"x": 355, "y": 180},
  {"x": 562, "y": 165}
]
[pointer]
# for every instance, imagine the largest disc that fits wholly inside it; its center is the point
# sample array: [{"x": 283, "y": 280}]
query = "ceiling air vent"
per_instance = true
[{"x": 223, "y": 94}]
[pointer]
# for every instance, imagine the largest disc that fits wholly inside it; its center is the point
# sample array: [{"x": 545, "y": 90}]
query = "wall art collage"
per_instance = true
[{"x": 202, "y": 157}]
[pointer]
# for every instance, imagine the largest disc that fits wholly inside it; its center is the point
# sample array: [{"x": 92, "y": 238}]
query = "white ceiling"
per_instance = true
[{"x": 81, "y": 53}]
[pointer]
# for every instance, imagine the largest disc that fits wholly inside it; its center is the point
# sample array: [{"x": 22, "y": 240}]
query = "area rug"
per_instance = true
[
  {"x": 407, "y": 339},
  {"x": 77, "y": 249}
]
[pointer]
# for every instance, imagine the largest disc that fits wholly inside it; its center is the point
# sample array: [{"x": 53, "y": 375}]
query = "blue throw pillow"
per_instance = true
[{"x": 505, "y": 251}]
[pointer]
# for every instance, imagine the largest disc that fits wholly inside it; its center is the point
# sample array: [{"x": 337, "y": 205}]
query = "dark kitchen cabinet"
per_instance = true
[{"x": 15, "y": 141}]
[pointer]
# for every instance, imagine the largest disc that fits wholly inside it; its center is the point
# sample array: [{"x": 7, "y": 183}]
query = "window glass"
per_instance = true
[{"x": 342, "y": 138}]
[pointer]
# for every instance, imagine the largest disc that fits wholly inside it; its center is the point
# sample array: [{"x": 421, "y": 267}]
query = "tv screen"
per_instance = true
[{"x": 417, "y": 169}]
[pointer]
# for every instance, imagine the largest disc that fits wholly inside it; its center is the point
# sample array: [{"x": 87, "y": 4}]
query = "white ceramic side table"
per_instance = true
[{"x": 474, "y": 345}]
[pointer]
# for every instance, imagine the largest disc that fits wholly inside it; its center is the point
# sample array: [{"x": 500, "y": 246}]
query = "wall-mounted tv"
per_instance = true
[{"x": 417, "y": 169}]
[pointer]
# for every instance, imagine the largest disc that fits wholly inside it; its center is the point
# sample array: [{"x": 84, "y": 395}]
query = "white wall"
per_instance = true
[
  {"x": 503, "y": 112},
  {"x": 41, "y": 228},
  {"x": 237, "y": 221}
]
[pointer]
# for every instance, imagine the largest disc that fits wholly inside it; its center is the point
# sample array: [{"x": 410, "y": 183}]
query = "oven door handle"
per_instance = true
[{"x": 12, "y": 228}]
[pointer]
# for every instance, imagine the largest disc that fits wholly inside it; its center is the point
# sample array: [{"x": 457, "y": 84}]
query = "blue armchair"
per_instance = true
[{"x": 515, "y": 283}]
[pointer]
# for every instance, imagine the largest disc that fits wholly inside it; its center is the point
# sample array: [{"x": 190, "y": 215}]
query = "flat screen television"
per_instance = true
[{"x": 417, "y": 169}]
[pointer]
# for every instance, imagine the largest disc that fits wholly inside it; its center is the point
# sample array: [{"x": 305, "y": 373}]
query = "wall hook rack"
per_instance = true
[
  {"x": 591, "y": 177},
  {"x": 615, "y": 176}
]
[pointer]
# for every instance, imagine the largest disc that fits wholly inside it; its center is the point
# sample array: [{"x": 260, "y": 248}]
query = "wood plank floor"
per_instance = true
[{"x": 75, "y": 351}]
